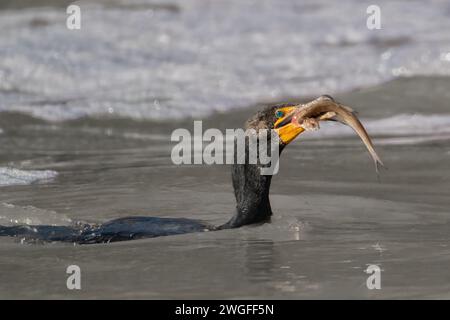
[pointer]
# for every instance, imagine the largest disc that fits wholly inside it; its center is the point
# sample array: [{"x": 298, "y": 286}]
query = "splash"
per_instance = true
[{"x": 11, "y": 214}]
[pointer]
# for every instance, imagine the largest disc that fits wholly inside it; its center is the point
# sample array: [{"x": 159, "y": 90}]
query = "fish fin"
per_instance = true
[
  {"x": 348, "y": 109},
  {"x": 339, "y": 119},
  {"x": 330, "y": 115},
  {"x": 351, "y": 110}
]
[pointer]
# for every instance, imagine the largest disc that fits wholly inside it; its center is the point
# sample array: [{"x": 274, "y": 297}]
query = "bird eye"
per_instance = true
[{"x": 279, "y": 114}]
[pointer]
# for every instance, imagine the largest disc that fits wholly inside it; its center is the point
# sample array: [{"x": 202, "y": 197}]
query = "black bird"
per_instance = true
[{"x": 251, "y": 190}]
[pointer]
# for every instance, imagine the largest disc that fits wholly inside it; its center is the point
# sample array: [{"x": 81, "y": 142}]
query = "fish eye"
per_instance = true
[{"x": 279, "y": 114}]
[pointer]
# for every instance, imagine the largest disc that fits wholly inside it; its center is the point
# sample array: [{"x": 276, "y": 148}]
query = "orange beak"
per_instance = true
[{"x": 286, "y": 130}]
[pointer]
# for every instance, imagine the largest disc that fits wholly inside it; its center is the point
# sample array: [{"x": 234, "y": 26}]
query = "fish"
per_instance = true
[{"x": 326, "y": 108}]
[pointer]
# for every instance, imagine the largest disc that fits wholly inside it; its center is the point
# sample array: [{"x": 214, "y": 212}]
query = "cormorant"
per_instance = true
[{"x": 251, "y": 190}]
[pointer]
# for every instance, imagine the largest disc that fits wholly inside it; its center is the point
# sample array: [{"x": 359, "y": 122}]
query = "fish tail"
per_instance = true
[{"x": 378, "y": 164}]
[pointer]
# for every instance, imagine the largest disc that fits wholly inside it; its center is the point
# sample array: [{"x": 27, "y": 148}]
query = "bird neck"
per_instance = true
[{"x": 251, "y": 190}]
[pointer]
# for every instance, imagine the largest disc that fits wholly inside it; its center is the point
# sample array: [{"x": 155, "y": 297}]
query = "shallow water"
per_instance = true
[{"x": 332, "y": 218}]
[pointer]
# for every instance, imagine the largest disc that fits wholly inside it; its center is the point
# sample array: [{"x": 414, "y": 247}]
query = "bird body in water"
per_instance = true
[{"x": 251, "y": 188}]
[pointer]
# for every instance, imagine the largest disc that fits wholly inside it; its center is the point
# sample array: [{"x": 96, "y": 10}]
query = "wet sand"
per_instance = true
[{"x": 332, "y": 218}]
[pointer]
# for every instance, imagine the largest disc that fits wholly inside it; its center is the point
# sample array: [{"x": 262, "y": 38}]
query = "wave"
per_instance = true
[
  {"x": 151, "y": 62},
  {"x": 11, "y": 176}
]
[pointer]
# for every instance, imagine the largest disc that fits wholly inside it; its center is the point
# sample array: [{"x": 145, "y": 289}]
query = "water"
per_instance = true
[
  {"x": 184, "y": 58},
  {"x": 82, "y": 139}
]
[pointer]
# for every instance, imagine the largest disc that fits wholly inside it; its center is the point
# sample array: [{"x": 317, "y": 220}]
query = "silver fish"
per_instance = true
[{"x": 326, "y": 108}]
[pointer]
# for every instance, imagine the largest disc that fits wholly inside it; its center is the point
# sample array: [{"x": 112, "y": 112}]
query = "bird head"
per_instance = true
[
  {"x": 278, "y": 118},
  {"x": 289, "y": 120}
]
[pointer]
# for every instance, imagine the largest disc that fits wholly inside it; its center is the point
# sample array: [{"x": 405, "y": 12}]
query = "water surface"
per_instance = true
[
  {"x": 85, "y": 124},
  {"x": 332, "y": 217}
]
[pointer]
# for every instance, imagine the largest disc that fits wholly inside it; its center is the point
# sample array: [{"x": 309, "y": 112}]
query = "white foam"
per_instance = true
[
  {"x": 162, "y": 63},
  {"x": 12, "y": 176}
]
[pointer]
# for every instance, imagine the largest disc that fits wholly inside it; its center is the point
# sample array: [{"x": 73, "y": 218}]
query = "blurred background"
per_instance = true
[
  {"x": 85, "y": 123},
  {"x": 159, "y": 60}
]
